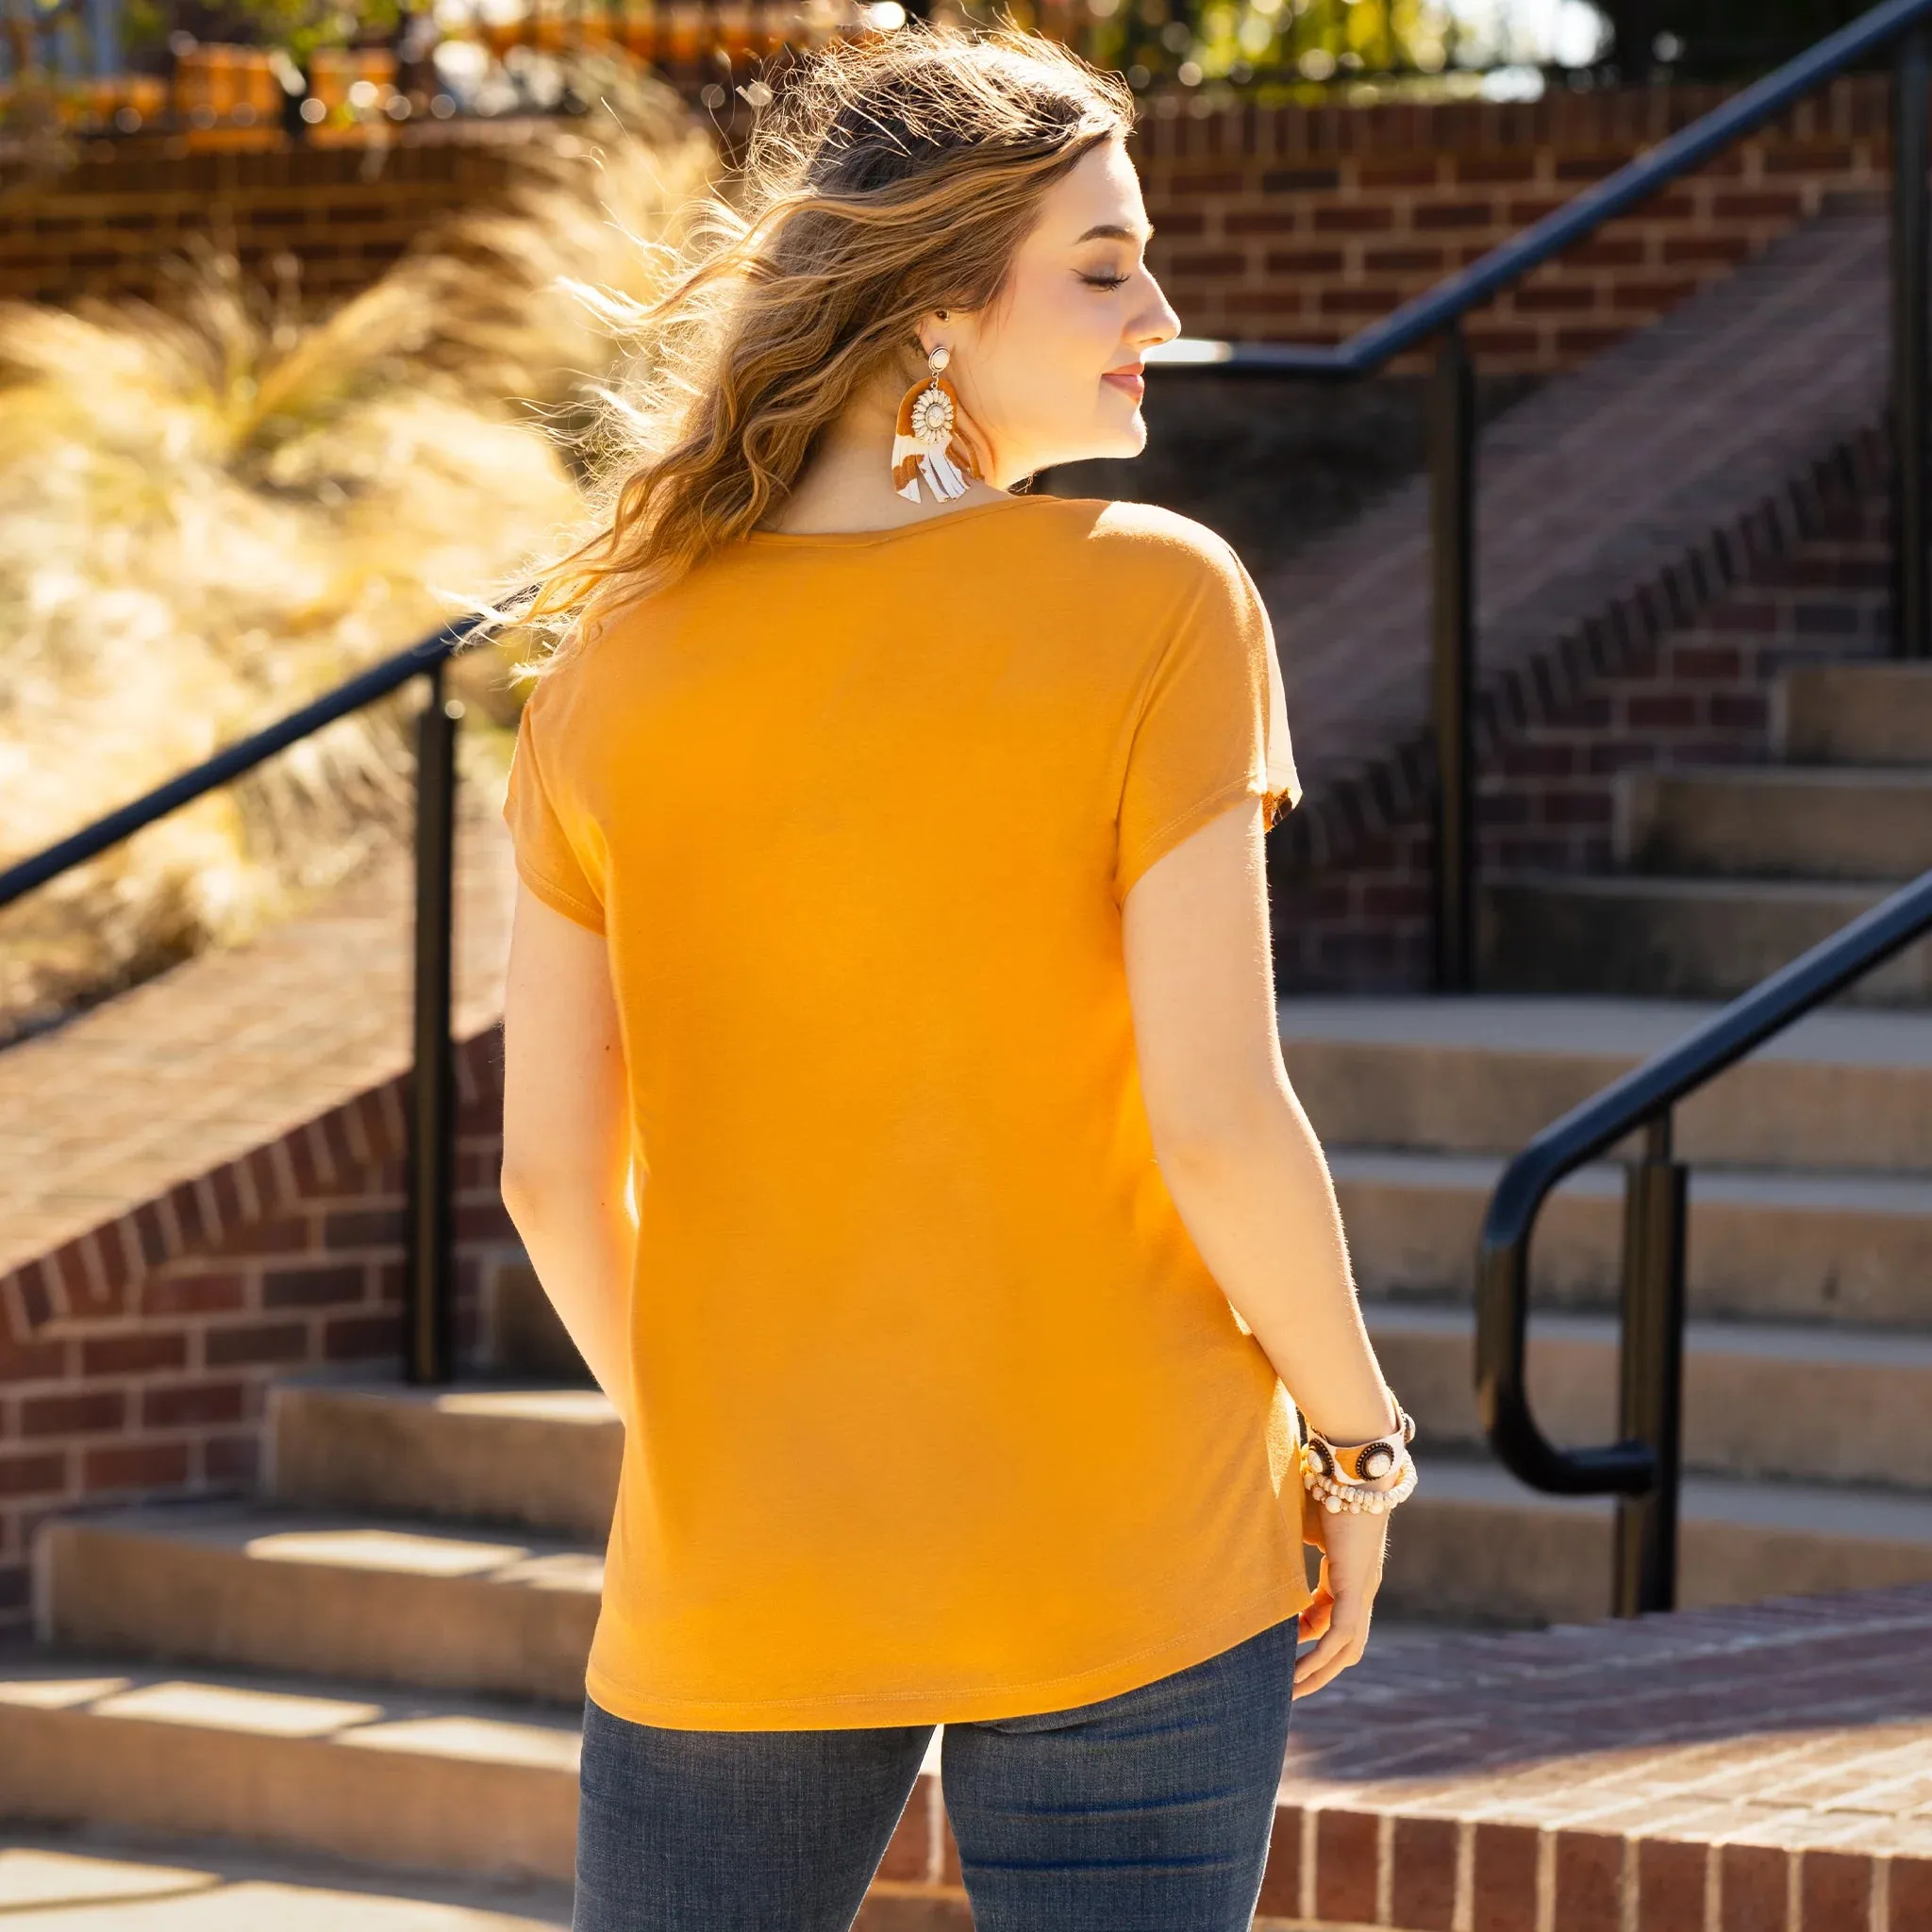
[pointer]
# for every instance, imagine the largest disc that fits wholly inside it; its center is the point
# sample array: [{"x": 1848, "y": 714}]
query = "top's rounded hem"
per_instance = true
[{"x": 858, "y": 539}]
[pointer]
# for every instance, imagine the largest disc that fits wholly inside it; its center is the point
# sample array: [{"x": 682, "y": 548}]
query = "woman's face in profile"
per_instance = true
[{"x": 1050, "y": 371}]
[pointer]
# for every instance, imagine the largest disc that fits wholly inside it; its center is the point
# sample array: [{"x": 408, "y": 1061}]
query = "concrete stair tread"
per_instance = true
[
  {"x": 1626, "y": 1030},
  {"x": 1735, "y": 823},
  {"x": 1824, "y": 1191},
  {"x": 337, "y": 1712},
  {"x": 426, "y": 1550},
  {"x": 1820, "y": 1510},
  {"x": 412, "y": 1777},
  {"x": 361, "y": 1595},
  {"x": 1779, "y": 1342}
]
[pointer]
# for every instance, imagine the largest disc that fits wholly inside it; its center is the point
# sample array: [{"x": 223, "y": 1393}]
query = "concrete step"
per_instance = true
[
  {"x": 1760, "y": 1400},
  {"x": 1844, "y": 1091},
  {"x": 351, "y": 1770},
  {"x": 355, "y": 1770},
  {"x": 391, "y": 1603},
  {"x": 1472, "y": 1543},
  {"x": 1675, "y": 939},
  {"x": 84, "y": 1878},
  {"x": 1839, "y": 1248},
  {"x": 1854, "y": 714},
  {"x": 1778, "y": 821},
  {"x": 544, "y": 1458}
]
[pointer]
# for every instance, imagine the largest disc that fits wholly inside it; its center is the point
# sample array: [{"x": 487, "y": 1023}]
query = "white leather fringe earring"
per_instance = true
[{"x": 933, "y": 438}]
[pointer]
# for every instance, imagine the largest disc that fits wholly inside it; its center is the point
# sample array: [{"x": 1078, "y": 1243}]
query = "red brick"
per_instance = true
[
  {"x": 86, "y": 1413},
  {"x": 1311, "y": 262},
  {"x": 358, "y": 1338},
  {"x": 1431, "y": 217},
  {"x": 1910, "y": 1907},
  {"x": 1412, "y": 260},
  {"x": 255, "y": 1342},
  {"x": 1423, "y": 1874},
  {"x": 1576, "y": 341},
  {"x": 1264, "y": 221},
  {"x": 285, "y": 1235},
  {"x": 1281, "y": 1878},
  {"x": 1345, "y": 1855},
  {"x": 231, "y": 1459},
  {"x": 302, "y": 1288},
  {"x": 1752, "y": 1879},
  {"x": 1421, "y": 171},
  {"x": 1835, "y": 1891},
  {"x": 909, "y": 1851},
  {"x": 1589, "y": 1874},
  {"x": 40, "y": 1474},
  {"x": 132, "y": 1355},
  {"x": 31, "y": 1361},
  {"x": 1505, "y": 1888},
  {"x": 1299, "y": 180},
  {"x": 1670, "y": 1885},
  {"x": 1494, "y": 169},
  {"x": 1364, "y": 218},
  {"x": 135, "y": 1466},
  {"x": 1543, "y": 299},
  {"x": 193, "y": 1294},
  {"x": 1724, "y": 251},
  {"x": 174, "y": 1403}
]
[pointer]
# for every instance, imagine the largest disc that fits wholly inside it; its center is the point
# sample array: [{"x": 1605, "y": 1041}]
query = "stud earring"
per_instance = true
[{"x": 934, "y": 438}]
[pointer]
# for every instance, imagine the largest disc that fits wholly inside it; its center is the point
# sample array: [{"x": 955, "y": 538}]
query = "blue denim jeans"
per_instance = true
[{"x": 1149, "y": 1812}]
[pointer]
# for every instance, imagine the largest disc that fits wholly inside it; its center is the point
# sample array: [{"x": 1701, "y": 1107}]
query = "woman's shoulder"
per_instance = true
[{"x": 1150, "y": 540}]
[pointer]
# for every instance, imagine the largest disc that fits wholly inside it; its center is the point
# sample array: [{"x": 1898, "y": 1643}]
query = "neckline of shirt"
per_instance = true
[{"x": 858, "y": 539}]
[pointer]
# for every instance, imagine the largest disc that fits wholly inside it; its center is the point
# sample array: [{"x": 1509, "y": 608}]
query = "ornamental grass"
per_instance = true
[{"x": 215, "y": 507}]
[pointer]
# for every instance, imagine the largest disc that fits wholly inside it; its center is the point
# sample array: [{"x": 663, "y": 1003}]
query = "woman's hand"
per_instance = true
[{"x": 1344, "y": 1597}]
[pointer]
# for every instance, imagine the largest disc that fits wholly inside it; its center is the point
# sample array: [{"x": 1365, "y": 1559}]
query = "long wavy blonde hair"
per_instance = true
[{"x": 889, "y": 178}]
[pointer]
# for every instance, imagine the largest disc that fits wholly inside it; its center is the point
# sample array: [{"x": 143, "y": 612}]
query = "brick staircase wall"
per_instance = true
[
  {"x": 1681, "y": 675},
  {"x": 136, "y": 1358},
  {"x": 1308, "y": 223},
  {"x": 1279, "y": 222}
]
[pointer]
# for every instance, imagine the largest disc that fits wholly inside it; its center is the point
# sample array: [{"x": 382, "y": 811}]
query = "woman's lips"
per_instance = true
[{"x": 1129, "y": 381}]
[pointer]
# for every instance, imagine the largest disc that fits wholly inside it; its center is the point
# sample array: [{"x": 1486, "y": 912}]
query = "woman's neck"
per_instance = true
[{"x": 848, "y": 484}]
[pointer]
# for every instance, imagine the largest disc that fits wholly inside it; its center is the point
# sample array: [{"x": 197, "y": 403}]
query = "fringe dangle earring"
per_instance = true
[{"x": 935, "y": 438}]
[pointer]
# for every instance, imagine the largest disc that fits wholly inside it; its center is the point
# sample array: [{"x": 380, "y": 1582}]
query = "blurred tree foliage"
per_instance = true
[
  {"x": 300, "y": 26},
  {"x": 1720, "y": 38},
  {"x": 1324, "y": 37}
]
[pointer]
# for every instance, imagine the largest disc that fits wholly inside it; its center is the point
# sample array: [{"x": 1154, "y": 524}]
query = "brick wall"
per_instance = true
[
  {"x": 1670, "y": 678},
  {"x": 343, "y": 213},
  {"x": 138, "y": 1359},
  {"x": 1309, "y": 223},
  {"x": 1281, "y": 222}
]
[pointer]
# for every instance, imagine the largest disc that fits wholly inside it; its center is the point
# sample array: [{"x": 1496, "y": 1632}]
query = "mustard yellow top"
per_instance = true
[{"x": 939, "y": 1414}]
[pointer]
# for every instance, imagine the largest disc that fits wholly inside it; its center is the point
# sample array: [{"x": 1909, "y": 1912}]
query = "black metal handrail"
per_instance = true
[
  {"x": 1438, "y": 314},
  {"x": 430, "y": 1273},
  {"x": 1642, "y": 1468}
]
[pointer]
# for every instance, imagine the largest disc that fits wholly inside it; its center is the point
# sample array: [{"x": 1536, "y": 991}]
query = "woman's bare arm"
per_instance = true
[
  {"x": 566, "y": 1133},
  {"x": 1248, "y": 1173}
]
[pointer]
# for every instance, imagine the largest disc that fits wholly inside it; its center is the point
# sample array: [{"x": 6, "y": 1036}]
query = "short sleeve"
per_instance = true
[
  {"x": 1213, "y": 725},
  {"x": 546, "y": 861}
]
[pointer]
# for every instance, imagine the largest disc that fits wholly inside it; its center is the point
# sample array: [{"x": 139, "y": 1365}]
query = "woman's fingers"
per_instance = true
[
  {"x": 1343, "y": 1641},
  {"x": 1345, "y": 1600},
  {"x": 1318, "y": 1616}
]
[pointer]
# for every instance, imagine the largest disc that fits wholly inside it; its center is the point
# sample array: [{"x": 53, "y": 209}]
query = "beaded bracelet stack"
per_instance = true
[{"x": 1339, "y": 1478}]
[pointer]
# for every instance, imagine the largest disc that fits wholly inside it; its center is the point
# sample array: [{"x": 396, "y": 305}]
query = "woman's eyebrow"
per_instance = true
[{"x": 1112, "y": 231}]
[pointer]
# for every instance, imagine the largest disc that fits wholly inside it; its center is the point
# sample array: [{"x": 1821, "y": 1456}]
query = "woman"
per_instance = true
[{"x": 893, "y": 1107}]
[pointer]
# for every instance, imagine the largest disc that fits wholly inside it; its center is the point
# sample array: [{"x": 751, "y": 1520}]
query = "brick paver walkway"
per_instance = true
[
  {"x": 234, "y": 1048},
  {"x": 1767, "y": 1768},
  {"x": 1634, "y": 484}
]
